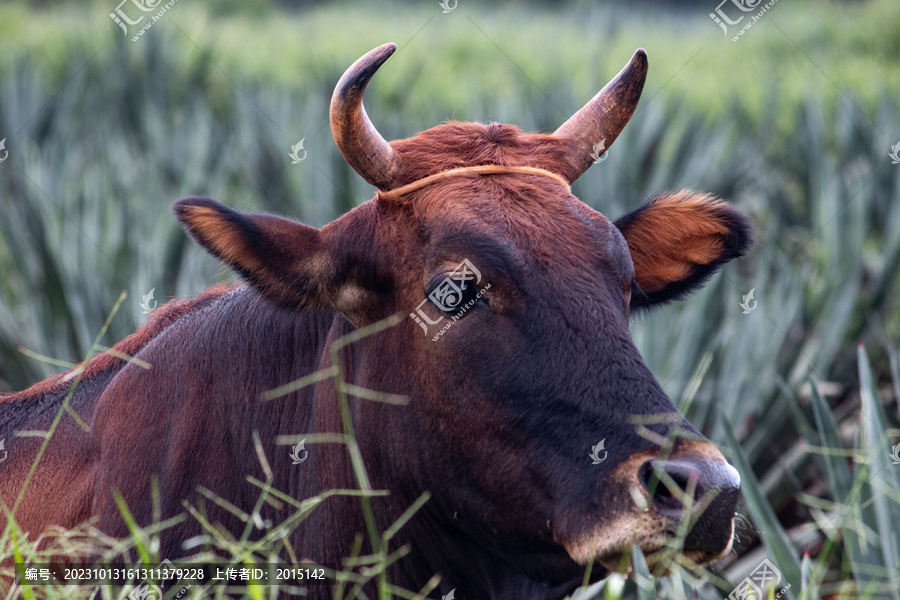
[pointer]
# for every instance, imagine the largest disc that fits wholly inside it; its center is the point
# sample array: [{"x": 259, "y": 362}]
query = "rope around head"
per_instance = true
[{"x": 476, "y": 170}]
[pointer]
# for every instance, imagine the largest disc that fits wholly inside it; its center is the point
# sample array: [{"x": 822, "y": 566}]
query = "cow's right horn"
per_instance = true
[
  {"x": 362, "y": 146},
  {"x": 596, "y": 126}
]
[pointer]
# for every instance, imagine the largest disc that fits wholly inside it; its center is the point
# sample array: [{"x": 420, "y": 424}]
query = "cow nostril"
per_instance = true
[
  {"x": 661, "y": 488},
  {"x": 680, "y": 480}
]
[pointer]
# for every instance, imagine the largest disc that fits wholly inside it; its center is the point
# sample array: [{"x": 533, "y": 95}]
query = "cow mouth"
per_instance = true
[
  {"x": 689, "y": 525},
  {"x": 663, "y": 556}
]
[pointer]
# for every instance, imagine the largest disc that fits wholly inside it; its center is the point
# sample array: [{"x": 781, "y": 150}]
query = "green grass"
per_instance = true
[
  {"x": 798, "y": 141},
  {"x": 801, "y": 49}
]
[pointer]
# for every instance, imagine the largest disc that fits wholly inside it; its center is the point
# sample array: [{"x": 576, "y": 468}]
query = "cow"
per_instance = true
[{"x": 542, "y": 438}]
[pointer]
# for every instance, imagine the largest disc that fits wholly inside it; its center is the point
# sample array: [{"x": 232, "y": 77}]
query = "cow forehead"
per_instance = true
[
  {"x": 530, "y": 212},
  {"x": 528, "y": 227}
]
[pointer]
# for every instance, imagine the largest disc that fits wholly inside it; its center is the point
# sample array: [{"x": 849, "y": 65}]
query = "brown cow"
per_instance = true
[{"x": 506, "y": 403}]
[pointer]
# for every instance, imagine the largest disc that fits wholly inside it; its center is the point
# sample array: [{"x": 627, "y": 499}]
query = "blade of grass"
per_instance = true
[
  {"x": 835, "y": 465},
  {"x": 771, "y": 532},
  {"x": 136, "y": 533},
  {"x": 874, "y": 440},
  {"x": 641, "y": 574},
  {"x": 403, "y": 519},
  {"x": 27, "y": 592}
]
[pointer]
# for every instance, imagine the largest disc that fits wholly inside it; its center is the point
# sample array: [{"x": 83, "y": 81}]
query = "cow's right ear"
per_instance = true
[
  {"x": 288, "y": 262},
  {"x": 678, "y": 240}
]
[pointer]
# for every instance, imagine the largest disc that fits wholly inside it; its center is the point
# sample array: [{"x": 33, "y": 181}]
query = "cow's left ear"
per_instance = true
[
  {"x": 288, "y": 262},
  {"x": 678, "y": 241}
]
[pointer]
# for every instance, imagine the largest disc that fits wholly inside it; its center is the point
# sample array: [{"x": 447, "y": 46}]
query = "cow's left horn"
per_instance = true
[
  {"x": 595, "y": 127},
  {"x": 368, "y": 153}
]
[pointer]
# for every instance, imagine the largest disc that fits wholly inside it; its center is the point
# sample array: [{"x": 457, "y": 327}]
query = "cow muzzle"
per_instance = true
[{"x": 679, "y": 509}]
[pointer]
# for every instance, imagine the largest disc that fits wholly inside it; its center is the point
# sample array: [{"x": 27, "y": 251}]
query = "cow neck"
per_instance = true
[{"x": 476, "y": 170}]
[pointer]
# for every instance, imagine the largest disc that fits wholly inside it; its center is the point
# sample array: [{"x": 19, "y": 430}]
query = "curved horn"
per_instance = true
[
  {"x": 362, "y": 146},
  {"x": 599, "y": 122}
]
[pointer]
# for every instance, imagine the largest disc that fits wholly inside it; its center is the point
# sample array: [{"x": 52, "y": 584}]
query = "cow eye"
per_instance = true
[{"x": 451, "y": 295}]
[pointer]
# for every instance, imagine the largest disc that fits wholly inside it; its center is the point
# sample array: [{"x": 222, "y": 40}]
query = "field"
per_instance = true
[{"x": 793, "y": 123}]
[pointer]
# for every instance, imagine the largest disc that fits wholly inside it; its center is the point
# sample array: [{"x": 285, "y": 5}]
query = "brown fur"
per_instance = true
[
  {"x": 695, "y": 237},
  {"x": 160, "y": 318},
  {"x": 64, "y": 499},
  {"x": 458, "y": 144}
]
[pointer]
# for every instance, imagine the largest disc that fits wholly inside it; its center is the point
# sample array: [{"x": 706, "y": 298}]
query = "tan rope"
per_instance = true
[{"x": 476, "y": 170}]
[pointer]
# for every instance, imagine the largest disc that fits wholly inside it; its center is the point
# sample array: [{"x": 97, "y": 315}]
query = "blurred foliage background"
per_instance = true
[{"x": 793, "y": 123}]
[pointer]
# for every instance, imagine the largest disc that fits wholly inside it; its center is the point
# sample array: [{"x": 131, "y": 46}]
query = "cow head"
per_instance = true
[{"x": 516, "y": 356}]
